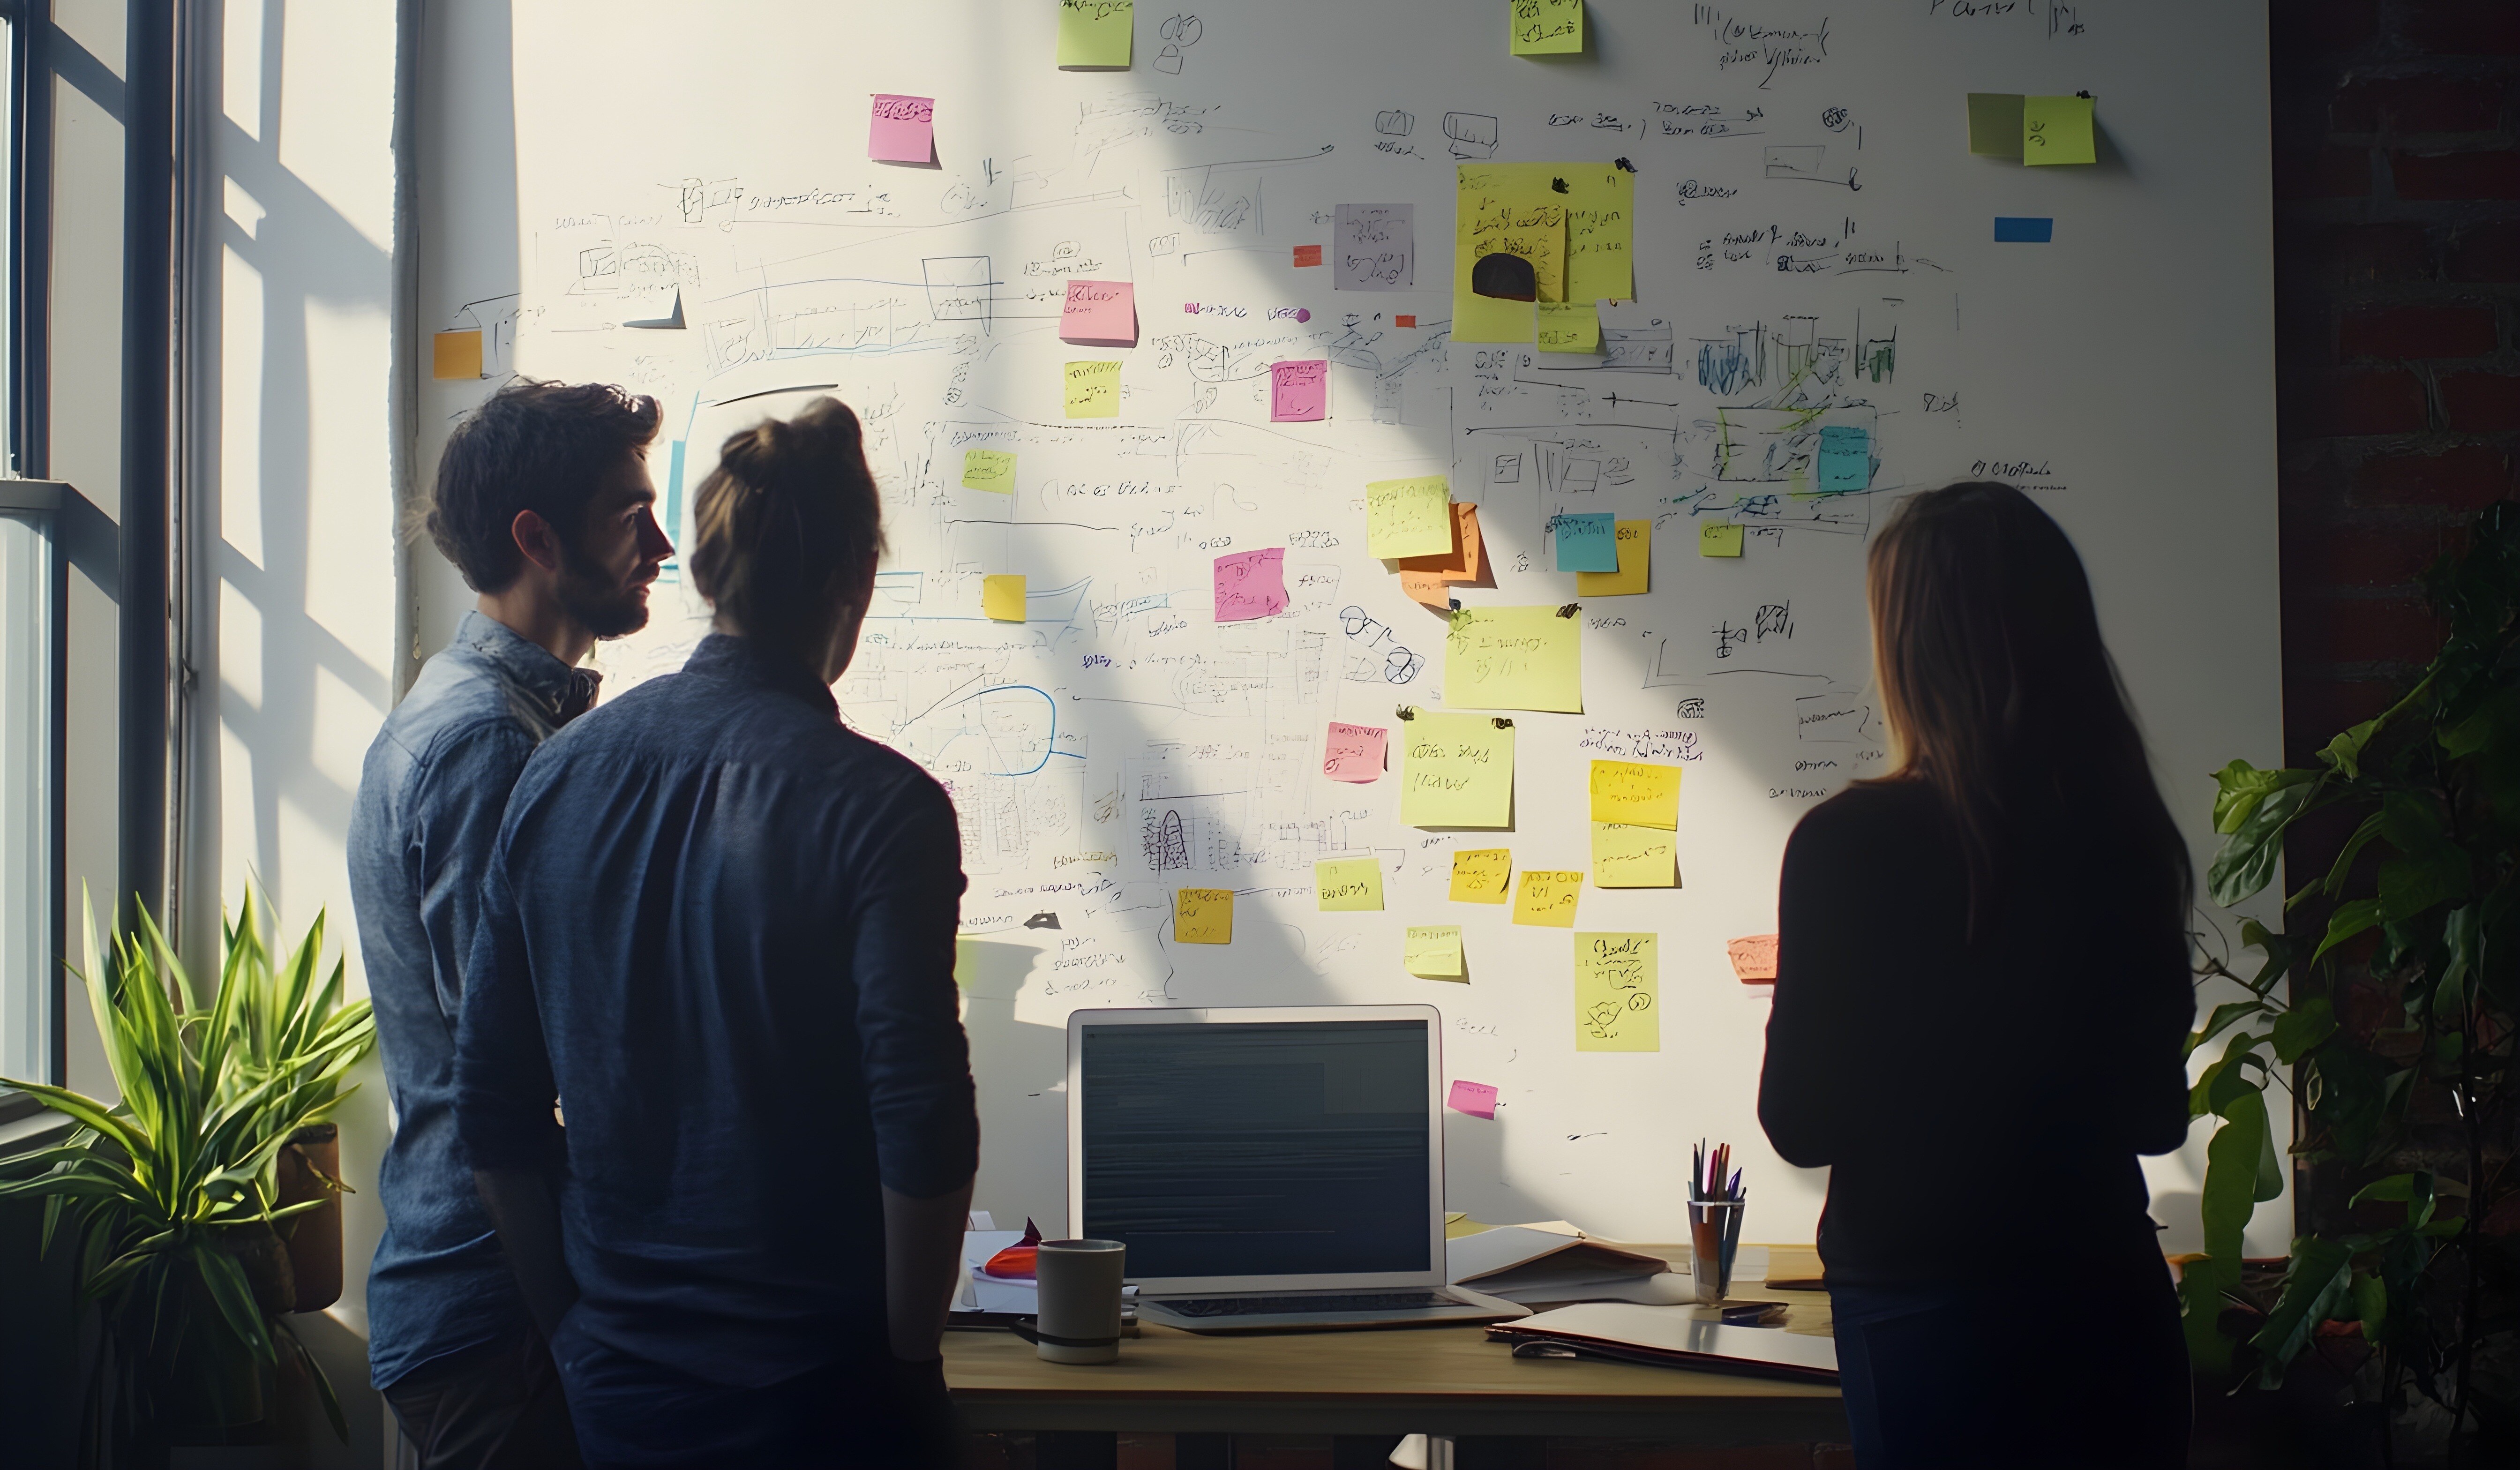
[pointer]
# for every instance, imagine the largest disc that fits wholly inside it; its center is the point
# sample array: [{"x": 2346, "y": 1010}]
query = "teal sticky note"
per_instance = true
[
  {"x": 1587, "y": 543},
  {"x": 1845, "y": 458}
]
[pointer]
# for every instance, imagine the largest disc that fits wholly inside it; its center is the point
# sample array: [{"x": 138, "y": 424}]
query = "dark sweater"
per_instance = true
[{"x": 1967, "y": 1097}]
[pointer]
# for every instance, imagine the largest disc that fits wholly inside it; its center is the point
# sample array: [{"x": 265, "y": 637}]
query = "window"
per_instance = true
[{"x": 30, "y": 673}]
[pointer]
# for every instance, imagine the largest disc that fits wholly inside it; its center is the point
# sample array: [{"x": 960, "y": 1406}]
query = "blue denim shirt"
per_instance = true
[
  {"x": 431, "y": 794},
  {"x": 719, "y": 928}
]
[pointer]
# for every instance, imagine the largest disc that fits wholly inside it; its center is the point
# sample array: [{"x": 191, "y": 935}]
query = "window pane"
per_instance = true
[{"x": 26, "y": 799}]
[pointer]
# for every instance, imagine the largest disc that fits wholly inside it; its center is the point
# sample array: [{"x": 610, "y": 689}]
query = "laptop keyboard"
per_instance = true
[{"x": 1382, "y": 1301}]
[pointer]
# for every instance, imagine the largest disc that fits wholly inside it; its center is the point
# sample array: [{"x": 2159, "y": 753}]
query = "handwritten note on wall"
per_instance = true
[
  {"x": 1547, "y": 27},
  {"x": 1514, "y": 658},
  {"x": 1635, "y": 576},
  {"x": 1096, "y": 34},
  {"x": 1432, "y": 951},
  {"x": 903, "y": 129},
  {"x": 1377, "y": 248},
  {"x": 1100, "y": 311},
  {"x": 1587, "y": 543},
  {"x": 1456, "y": 771},
  {"x": 1617, "y": 993},
  {"x": 1547, "y": 897},
  {"x": 990, "y": 470},
  {"x": 1299, "y": 392},
  {"x": 2057, "y": 130},
  {"x": 1354, "y": 752},
  {"x": 1349, "y": 885},
  {"x": 1203, "y": 916},
  {"x": 1753, "y": 957},
  {"x": 1635, "y": 794},
  {"x": 1094, "y": 389},
  {"x": 1482, "y": 876},
  {"x": 1477, "y": 1098},
  {"x": 1719, "y": 539},
  {"x": 1250, "y": 584},
  {"x": 1410, "y": 517},
  {"x": 1634, "y": 856}
]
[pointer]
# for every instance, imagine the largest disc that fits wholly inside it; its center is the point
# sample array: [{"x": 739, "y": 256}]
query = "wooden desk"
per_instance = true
[{"x": 1424, "y": 1380}]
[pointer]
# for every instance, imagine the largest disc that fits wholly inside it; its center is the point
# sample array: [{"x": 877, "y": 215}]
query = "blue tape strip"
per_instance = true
[{"x": 2014, "y": 230}]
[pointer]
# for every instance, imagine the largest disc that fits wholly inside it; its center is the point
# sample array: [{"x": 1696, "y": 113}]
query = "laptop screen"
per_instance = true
[{"x": 1258, "y": 1148}]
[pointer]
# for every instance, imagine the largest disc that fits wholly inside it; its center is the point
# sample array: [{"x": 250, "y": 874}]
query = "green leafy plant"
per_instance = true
[
  {"x": 171, "y": 1190},
  {"x": 2427, "y": 799}
]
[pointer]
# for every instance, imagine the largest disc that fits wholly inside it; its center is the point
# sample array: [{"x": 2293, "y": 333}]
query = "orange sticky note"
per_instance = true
[
  {"x": 1428, "y": 579},
  {"x": 1754, "y": 957},
  {"x": 1403, "y": 321},
  {"x": 455, "y": 354},
  {"x": 1308, "y": 254}
]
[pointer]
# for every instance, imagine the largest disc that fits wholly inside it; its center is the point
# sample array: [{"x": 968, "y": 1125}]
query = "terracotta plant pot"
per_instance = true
[{"x": 309, "y": 1165}]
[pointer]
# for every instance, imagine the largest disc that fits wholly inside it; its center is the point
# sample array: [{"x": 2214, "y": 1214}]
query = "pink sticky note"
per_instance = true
[
  {"x": 1100, "y": 311},
  {"x": 1754, "y": 958},
  {"x": 1250, "y": 584},
  {"x": 903, "y": 129},
  {"x": 1475, "y": 1098},
  {"x": 1299, "y": 392},
  {"x": 1354, "y": 752}
]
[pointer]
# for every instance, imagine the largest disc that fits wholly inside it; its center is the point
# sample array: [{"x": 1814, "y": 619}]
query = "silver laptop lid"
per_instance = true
[{"x": 1260, "y": 1150}]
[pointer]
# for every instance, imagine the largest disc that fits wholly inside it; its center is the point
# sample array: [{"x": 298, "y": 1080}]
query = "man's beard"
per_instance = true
[{"x": 608, "y": 608}]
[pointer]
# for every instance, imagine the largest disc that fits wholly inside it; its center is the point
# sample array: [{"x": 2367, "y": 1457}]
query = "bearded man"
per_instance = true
[{"x": 544, "y": 503}]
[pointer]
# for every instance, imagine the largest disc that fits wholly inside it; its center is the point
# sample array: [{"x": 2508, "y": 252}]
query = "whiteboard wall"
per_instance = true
[{"x": 1813, "y": 243}]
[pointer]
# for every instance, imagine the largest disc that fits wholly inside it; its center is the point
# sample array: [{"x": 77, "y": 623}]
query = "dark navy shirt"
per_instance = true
[
  {"x": 719, "y": 928},
  {"x": 431, "y": 794}
]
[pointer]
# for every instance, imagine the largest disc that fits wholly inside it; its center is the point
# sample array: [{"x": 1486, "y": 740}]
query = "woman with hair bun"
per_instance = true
[{"x": 719, "y": 931}]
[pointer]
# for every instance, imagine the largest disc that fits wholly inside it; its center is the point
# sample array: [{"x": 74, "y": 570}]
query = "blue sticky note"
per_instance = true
[
  {"x": 1845, "y": 458},
  {"x": 1587, "y": 543},
  {"x": 2012, "y": 229}
]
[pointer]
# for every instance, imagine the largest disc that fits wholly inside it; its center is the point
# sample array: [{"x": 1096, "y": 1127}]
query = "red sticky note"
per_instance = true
[
  {"x": 1403, "y": 321},
  {"x": 903, "y": 129},
  {"x": 1475, "y": 1098},
  {"x": 1102, "y": 312},
  {"x": 1250, "y": 584},
  {"x": 1754, "y": 958},
  {"x": 1299, "y": 392},
  {"x": 1308, "y": 254},
  {"x": 1354, "y": 752}
]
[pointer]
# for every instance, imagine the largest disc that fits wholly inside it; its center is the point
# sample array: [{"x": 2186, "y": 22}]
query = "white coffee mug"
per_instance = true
[{"x": 1080, "y": 1299}]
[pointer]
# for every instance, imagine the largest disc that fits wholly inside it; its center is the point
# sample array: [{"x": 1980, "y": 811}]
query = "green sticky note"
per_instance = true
[
  {"x": 1433, "y": 952},
  {"x": 1995, "y": 124},
  {"x": 1096, "y": 32},
  {"x": 1410, "y": 517},
  {"x": 1617, "y": 993},
  {"x": 1514, "y": 658},
  {"x": 1547, "y": 27},
  {"x": 1456, "y": 771},
  {"x": 989, "y": 470},
  {"x": 1349, "y": 885},
  {"x": 1569, "y": 327},
  {"x": 1719, "y": 538},
  {"x": 2057, "y": 130}
]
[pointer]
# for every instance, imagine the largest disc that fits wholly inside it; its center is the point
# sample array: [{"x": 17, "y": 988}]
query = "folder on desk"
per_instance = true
[
  {"x": 1543, "y": 1262},
  {"x": 1676, "y": 1337}
]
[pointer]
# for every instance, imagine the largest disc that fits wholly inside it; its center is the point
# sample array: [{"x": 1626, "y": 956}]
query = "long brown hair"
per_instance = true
[{"x": 2003, "y": 700}]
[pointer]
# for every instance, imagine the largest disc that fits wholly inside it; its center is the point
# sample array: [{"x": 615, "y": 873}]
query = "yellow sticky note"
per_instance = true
[
  {"x": 1617, "y": 993},
  {"x": 1203, "y": 916},
  {"x": 1995, "y": 124},
  {"x": 1349, "y": 885},
  {"x": 1569, "y": 327},
  {"x": 1094, "y": 389},
  {"x": 1601, "y": 231},
  {"x": 1637, "y": 794},
  {"x": 1514, "y": 658},
  {"x": 1635, "y": 576},
  {"x": 1410, "y": 517},
  {"x": 1508, "y": 209},
  {"x": 1096, "y": 32},
  {"x": 1458, "y": 771},
  {"x": 1003, "y": 599},
  {"x": 1433, "y": 952},
  {"x": 1485, "y": 319},
  {"x": 1634, "y": 856},
  {"x": 1547, "y": 27},
  {"x": 2057, "y": 130},
  {"x": 1479, "y": 874},
  {"x": 455, "y": 354},
  {"x": 1547, "y": 896},
  {"x": 989, "y": 470},
  {"x": 1719, "y": 538}
]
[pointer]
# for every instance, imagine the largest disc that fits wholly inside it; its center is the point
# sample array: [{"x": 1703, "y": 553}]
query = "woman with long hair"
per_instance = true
[{"x": 1982, "y": 992}]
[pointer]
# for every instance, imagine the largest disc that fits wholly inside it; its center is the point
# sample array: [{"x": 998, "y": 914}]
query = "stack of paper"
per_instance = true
[{"x": 1555, "y": 1262}]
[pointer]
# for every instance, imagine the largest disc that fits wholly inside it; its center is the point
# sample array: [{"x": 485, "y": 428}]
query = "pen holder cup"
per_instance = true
[
  {"x": 1714, "y": 1237},
  {"x": 1080, "y": 1299}
]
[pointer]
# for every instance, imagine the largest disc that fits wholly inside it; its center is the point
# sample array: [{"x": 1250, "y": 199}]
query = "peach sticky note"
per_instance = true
[
  {"x": 1103, "y": 312},
  {"x": 1754, "y": 958},
  {"x": 1203, "y": 916},
  {"x": 1308, "y": 254},
  {"x": 1426, "y": 579},
  {"x": 1299, "y": 392},
  {"x": 1480, "y": 875},
  {"x": 1354, "y": 752},
  {"x": 903, "y": 131},
  {"x": 1547, "y": 897},
  {"x": 1003, "y": 599},
  {"x": 455, "y": 355},
  {"x": 1475, "y": 1098},
  {"x": 1405, "y": 318},
  {"x": 1250, "y": 584}
]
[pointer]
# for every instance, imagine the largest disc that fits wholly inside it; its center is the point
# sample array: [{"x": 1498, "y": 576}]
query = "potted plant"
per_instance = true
[
  {"x": 2401, "y": 1064},
  {"x": 174, "y": 1190}
]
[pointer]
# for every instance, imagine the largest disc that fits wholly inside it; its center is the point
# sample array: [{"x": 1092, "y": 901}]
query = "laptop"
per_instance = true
[{"x": 1269, "y": 1168}]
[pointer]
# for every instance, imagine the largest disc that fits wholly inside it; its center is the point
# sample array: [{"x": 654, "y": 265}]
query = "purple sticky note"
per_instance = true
[
  {"x": 1299, "y": 392},
  {"x": 1475, "y": 1098},
  {"x": 1355, "y": 752},
  {"x": 903, "y": 129},
  {"x": 1250, "y": 584},
  {"x": 1103, "y": 312}
]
